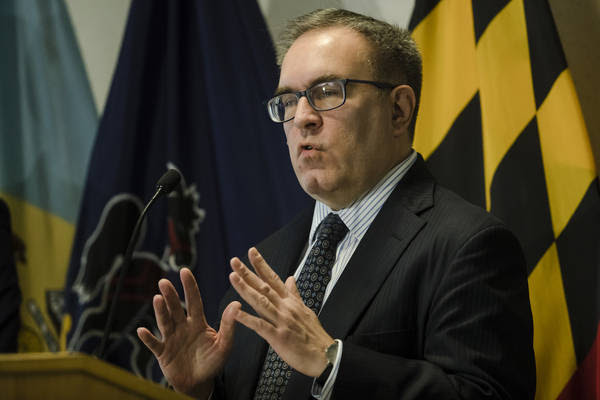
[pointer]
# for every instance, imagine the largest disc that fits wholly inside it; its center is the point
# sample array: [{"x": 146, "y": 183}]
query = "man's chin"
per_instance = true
[
  {"x": 313, "y": 186},
  {"x": 319, "y": 190}
]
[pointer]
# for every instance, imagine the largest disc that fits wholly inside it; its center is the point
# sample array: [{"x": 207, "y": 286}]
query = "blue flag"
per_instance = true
[
  {"x": 188, "y": 94},
  {"x": 48, "y": 122}
]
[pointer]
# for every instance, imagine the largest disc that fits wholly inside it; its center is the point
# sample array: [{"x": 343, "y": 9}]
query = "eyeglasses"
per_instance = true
[{"x": 323, "y": 96}]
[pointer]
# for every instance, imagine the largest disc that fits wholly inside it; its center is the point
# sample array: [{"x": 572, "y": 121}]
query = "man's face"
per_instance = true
[{"x": 338, "y": 154}]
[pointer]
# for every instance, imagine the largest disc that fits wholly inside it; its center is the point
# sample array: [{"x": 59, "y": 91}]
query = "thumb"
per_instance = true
[
  {"x": 227, "y": 327},
  {"x": 290, "y": 284}
]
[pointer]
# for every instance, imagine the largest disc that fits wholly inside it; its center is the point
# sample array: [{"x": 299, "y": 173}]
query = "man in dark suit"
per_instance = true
[
  {"x": 392, "y": 286},
  {"x": 10, "y": 294}
]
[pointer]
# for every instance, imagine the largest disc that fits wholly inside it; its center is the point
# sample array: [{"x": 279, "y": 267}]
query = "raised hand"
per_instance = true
[
  {"x": 285, "y": 322},
  {"x": 190, "y": 353}
]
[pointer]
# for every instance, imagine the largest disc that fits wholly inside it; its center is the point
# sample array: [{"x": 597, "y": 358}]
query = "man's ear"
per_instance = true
[{"x": 403, "y": 98}]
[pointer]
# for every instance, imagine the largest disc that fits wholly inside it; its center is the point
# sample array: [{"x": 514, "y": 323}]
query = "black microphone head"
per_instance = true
[{"x": 168, "y": 181}]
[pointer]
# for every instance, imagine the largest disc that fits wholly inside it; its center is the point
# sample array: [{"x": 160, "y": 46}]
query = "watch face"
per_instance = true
[{"x": 331, "y": 352}]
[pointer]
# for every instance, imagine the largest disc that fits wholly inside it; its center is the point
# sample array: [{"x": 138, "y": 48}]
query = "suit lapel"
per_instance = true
[{"x": 283, "y": 250}]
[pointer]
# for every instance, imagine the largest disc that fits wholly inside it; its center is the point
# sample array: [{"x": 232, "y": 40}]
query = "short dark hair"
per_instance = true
[{"x": 396, "y": 58}]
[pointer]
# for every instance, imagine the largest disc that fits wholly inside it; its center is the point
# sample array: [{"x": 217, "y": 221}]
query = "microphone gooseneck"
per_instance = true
[{"x": 165, "y": 185}]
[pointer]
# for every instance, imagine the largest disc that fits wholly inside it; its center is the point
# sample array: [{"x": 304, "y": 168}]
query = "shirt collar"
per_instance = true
[{"x": 359, "y": 215}]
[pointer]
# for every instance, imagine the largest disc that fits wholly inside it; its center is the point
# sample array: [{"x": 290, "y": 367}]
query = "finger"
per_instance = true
[
  {"x": 254, "y": 281},
  {"x": 263, "y": 328},
  {"x": 165, "y": 323},
  {"x": 172, "y": 300},
  {"x": 265, "y": 272},
  {"x": 290, "y": 285},
  {"x": 151, "y": 342},
  {"x": 258, "y": 301},
  {"x": 193, "y": 300}
]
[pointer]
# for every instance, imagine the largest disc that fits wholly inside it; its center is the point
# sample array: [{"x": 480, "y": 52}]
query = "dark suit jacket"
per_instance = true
[
  {"x": 10, "y": 295},
  {"x": 433, "y": 304}
]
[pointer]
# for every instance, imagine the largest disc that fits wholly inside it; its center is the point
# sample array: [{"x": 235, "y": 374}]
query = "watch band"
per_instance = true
[{"x": 321, "y": 379}]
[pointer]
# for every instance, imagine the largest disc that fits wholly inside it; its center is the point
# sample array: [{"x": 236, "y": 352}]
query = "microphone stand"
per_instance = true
[
  {"x": 124, "y": 268},
  {"x": 165, "y": 185}
]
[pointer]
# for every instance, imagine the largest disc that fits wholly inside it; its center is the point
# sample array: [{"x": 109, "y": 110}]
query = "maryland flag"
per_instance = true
[{"x": 500, "y": 123}]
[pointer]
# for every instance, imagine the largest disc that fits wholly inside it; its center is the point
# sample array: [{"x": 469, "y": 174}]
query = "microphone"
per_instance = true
[
  {"x": 165, "y": 185},
  {"x": 168, "y": 182}
]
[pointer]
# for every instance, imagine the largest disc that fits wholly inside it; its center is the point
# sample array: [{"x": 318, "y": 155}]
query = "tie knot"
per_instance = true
[{"x": 332, "y": 228}]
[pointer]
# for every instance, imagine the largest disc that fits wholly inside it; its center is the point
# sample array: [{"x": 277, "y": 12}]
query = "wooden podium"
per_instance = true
[{"x": 72, "y": 376}]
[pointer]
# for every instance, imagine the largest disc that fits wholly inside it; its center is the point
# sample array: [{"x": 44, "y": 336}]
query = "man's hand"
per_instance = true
[
  {"x": 285, "y": 322},
  {"x": 190, "y": 353}
]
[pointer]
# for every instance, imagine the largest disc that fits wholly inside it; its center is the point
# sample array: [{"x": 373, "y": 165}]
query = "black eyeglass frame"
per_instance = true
[{"x": 305, "y": 93}]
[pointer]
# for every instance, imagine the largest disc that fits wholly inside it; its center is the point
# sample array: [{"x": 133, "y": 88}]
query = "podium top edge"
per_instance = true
[{"x": 74, "y": 362}]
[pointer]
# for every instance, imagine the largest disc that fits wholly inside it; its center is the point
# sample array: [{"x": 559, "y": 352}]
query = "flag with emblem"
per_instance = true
[
  {"x": 48, "y": 122},
  {"x": 188, "y": 94},
  {"x": 500, "y": 123}
]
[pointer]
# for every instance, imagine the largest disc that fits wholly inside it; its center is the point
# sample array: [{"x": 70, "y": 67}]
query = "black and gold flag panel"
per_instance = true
[
  {"x": 519, "y": 196},
  {"x": 500, "y": 124},
  {"x": 465, "y": 177}
]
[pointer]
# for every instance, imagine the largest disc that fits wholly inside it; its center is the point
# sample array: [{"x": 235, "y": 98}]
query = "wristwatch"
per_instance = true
[{"x": 330, "y": 354}]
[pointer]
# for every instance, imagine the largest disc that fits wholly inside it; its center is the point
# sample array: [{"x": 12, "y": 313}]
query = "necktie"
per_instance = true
[{"x": 312, "y": 282}]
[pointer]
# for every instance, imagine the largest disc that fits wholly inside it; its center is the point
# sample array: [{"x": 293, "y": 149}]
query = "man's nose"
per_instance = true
[{"x": 306, "y": 116}]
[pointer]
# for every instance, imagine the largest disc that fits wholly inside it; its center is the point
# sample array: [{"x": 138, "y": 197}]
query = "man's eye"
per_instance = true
[
  {"x": 327, "y": 91},
  {"x": 286, "y": 101}
]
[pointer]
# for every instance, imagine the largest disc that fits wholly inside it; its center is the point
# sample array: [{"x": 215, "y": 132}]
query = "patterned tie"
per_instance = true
[{"x": 313, "y": 280}]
